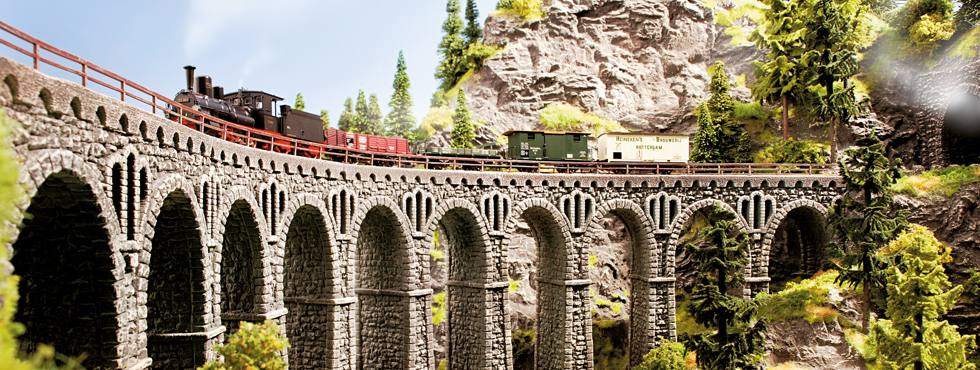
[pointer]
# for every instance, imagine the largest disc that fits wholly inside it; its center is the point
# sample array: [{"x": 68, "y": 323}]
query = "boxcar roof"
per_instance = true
[{"x": 509, "y": 132}]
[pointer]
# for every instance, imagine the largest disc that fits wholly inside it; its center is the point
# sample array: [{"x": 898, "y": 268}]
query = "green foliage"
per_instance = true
[
  {"x": 864, "y": 220},
  {"x": 437, "y": 255},
  {"x": 372, "y": 120},
  {"x": 734, "y": 339},
  {"x": 526, "y": 9},
  {"x": 400, "y": 121},
  {"x": 252, "y": 347},
  {"x": 968, "y": 15},
  {"x": 780, "y": 33},
  {"x": 514, "y": 284},
  {"x": 476, "y": 53},
  {"x": 806, "y": 299},
  {"x": 462, "y": 134},
  {"x": 720, "y": 138},
  {"x": 926, "y": 34},
  {"x": 686, "y": 323},
  {"x": 346, "y": 121},
  {"x": 435, "y": 120},
  {"x": 667, "y": 356},
  {"x": 300, "y": 104},
  {"x": 939, "y": 182},
  {"x": 919, "y": 294},
  {"x": 966, "y": 46},
  {"x": 442, "y": 365},
  {"x": 473, "y": 32},
  {"x": 796, "y": 151},
  {"x": 567, "y": 117},
  {"x": 452, "y": 48},
  {"x": 359, "y": 121},
  {"x": 593, "y": 259},
  {"x": 522, "y": 345},
  {"x": 325, "y": 117},
  {"x": 610, "y": 349},
  {"x": 438, "y": 308}
]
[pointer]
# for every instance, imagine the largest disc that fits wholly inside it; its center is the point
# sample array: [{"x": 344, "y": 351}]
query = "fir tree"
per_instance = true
[
  {"x": 733, "y": 340},
  {"x": 300, "y": 104},
  {"x": 473, "y": 31},
  {"x": 452, "y": 48},
  {"x": 400, "y": 121},
  {"x": 462, "y": 133},
  {"x": 919, "y": 295},
  {"x": 732, "y": 143},
  {"x": 325, "y": 117},
  {"x": 372, "y": 121},
  {"x": 706, "y": 139},
  {"x": 968, "y": 16},
  {"x": 776, "y": 80},
  {"x": 346, "y": 121},
  {"x": 864, "y": 220},
  {"x": 831, "y": 39},
  {"x": 359, "y": 121}
]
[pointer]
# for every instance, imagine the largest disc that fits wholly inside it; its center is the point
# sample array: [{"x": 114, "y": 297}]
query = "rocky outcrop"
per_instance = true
[{"x": 642, "y": 63}]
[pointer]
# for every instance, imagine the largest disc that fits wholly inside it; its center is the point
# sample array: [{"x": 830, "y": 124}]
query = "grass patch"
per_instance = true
[
  {"x": 940, "y": 182},
  {"x": 966, "y": 47},
  {"x": 514, "y": 284},
  {"x": 686, "y": 323},
  {"x": 805, "y": 299}
]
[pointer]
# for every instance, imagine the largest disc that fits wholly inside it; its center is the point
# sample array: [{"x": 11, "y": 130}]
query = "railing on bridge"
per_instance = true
[{"x": 163, "y": 106}]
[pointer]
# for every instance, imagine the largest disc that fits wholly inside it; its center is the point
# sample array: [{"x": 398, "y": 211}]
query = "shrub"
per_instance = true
[
  {"x": 567, "y": 117},
  {"x": 252, "y": 347},
  {"x": 526, "y": 9},
  {"x": 477, "y": 52},
  {"x": 668, "y": 356},
  {"x": 805, "y": 299},
  {"x": 926, "y": 34},
  {"x": 522, "y": 345},
  {"x": 796, "y": 151}
]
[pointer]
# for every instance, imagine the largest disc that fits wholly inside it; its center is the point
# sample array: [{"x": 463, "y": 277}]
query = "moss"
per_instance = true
[
  {"x": 593, "y": 259},
  {"x": 602, "y": 302},
  {"x": 966, "y": 47},
  {"x": 514, "y": 284},
  {"x": 939, "y": 182},
  {"x": 806, "y": 299}
]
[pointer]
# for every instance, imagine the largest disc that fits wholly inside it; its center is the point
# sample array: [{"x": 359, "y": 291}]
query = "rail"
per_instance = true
[{"x": 260, "y": 139}]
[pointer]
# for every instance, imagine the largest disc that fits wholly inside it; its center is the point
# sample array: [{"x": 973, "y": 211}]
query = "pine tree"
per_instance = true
[
  {"x": 300, "y": 104},
  {"x": 864, "y": 220},
  {"x": 776, "y": 80},
  {"x": 452, "y": 48},
  {"x": 372, "y": 122},
  {"x": 346, "y": 121},
  {"x": 831, "y": 39},
  {"x": 400, "y": 121},
  {"x": 359, "y": 121},
  {"x": 732, "y": 143},
  {"x": 325, "y": 117},
  {"x": 706, "y": 139},
  {"x": 473, "y": 31},
  {"x": 462, "y": 134},
  {"x": 919, "y": 295},
  {"x": 734, "y": 339}
]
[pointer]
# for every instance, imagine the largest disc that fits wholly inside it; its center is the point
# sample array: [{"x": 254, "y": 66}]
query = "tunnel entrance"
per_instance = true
[
  {"x": 961, "y": 130},
  {"x": 63, "y": 258}
]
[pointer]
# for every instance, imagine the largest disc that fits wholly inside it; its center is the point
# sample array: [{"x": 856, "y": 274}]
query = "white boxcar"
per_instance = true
[{"x": 643, "y": 147}]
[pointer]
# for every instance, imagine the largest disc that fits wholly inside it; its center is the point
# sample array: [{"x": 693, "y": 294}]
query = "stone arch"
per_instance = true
[
  {"x": 959, "y": 128},
  {"x": 495, "y": 208},
  {"x": 663, "y": 209},
  {"x": 811, "y": 242},
  {"x": 644, "y": 330},
  {"x": 667, "y": 257},
  {"x": 241, "y": 266},
  {"x": 342, "y": 202},
  {"x": 69, "y": 292},
  {"x": 180, "y": 322},
  {"x": 385, "y": 273},
  {"x": 578, "y": 208},
  {"x": 315, "y": 287},
  {"x": 756, "y": 209},
  {"x": 127, "y": 171},
  {"x": 419, "y": 206},
  {"x": 273, "y": 198},
  {"x": 474, "y": 300},
  {"x": 562, "y": 295}
]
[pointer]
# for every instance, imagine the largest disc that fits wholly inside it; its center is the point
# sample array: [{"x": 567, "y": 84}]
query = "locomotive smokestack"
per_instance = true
[{"x": 190, "y": 77}]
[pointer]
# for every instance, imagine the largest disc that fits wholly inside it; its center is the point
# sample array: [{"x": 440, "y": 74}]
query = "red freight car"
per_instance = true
[{"x": 369, "y": 143}]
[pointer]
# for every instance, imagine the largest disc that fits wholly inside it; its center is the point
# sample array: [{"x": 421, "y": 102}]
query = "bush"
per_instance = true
[
  {"x": 522, "y": 343},
  {"x": 668, "y": 356},
  {"x": 939, "y": 182},
  {"x": 805, "y": 299},
  {"x": 252, "y": 347},
  {"x": 926, "y": 34},
  {"x": 567, "y": 117},
  {"x": 526, "y": 9},
  {"x": 796, "y": 151},
  {"x": 477, "y": 52}
]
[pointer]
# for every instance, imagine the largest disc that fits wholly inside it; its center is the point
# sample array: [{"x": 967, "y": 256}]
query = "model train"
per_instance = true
[{"x": 262, "y": 112}]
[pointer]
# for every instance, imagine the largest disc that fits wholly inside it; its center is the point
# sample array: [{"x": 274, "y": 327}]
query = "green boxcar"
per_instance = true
[{"x": 547, "y": 145}]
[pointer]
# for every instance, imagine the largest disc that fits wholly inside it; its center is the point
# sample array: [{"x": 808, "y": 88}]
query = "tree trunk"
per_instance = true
[
  {"x": 785, "y": 118},
  {"x": 866, "y": 308}
]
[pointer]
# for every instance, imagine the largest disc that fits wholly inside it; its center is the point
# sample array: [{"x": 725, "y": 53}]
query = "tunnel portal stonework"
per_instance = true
[{"x": 204, "y": 233}]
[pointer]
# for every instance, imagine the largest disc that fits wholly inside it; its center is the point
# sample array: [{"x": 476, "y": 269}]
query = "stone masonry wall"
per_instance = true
[{"x": 340, "y": 253}]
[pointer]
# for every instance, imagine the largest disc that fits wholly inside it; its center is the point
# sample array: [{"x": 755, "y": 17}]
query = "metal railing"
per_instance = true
[{"x": 261, "y": 139}]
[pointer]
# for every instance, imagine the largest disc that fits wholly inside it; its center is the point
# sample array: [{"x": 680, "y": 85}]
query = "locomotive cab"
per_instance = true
[{"x": 261, "y": 105}]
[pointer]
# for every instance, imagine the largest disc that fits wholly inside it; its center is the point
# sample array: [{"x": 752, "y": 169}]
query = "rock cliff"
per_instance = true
[{"x": 642, "y": 63}]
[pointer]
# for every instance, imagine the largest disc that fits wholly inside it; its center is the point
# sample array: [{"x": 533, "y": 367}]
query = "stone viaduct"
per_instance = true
[{"x": 148, "y": 242}]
